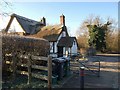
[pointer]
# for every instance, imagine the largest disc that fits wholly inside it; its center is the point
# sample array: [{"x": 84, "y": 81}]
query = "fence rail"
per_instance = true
[{"x": 16, "y": 62}]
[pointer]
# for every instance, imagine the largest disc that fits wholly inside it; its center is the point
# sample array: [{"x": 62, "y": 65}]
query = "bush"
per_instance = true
[
  {"x": 14, "y": 45},
  {"x": 21, "y": 44}
]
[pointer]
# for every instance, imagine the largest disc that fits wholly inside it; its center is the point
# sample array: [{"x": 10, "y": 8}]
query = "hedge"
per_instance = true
[{"x": 22, "y": 44}]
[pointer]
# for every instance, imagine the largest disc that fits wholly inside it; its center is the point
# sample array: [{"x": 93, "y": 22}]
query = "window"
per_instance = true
[{"x": 64, "y": 34}]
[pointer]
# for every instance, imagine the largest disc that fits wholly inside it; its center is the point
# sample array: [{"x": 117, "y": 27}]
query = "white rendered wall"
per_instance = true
[
  {"x": 63, "y": 34},
  {"x": 74, "y": 48},
  {"x": 55, "y": 47},
  {"x": 51, "y": 47},
  {"x": 15, "y": 26}
]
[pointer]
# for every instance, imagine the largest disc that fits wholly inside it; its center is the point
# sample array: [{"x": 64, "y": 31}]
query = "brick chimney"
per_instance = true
[
  {"x": 43, "y": 20},
  {"x": 62, "y": 20}
]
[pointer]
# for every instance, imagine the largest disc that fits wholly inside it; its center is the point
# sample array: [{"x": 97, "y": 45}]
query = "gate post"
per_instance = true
[
  {"x": 82, "y": 78},
  {"x": 49, "y": 73}
]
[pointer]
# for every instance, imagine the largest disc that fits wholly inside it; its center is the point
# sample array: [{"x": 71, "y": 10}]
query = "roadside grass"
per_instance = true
[{"x": 21, "y": 82}]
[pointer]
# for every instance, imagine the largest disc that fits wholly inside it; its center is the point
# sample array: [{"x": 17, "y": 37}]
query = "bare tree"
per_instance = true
[
  {"x": 91, "y": 20},
  {"x": 111, "y": 35},
  {"x": 5, "y": 7},
  {"x": 83, "y": 34}
]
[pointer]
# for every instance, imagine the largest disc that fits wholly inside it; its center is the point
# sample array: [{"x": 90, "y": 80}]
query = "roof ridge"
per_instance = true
[{"x": 25, "y": 18}]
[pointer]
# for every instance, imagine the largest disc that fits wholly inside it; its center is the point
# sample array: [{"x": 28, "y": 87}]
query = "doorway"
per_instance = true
[{"x": 60, "y": 51}]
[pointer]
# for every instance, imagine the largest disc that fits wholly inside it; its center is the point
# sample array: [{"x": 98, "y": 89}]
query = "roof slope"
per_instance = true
[
  {"x": 66, "y": 41},
  {"x": 28, "y": 25},
  {"x": 50, "y": 32}
]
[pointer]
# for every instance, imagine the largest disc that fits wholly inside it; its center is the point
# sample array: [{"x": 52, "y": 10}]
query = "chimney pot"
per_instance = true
[{"x": 43, "y": 20}]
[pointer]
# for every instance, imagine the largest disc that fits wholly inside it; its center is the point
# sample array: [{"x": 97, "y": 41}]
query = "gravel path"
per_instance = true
[{"x": 108, "y": 75}]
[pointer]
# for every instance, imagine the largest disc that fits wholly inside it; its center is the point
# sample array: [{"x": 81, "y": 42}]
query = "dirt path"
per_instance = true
[{"x": 108, "y": 75}]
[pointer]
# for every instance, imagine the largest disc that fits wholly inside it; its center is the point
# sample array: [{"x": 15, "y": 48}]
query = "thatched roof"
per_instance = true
[
  {"x": 28, "y": 25},
  {"x": 50, "y": 32},
  {"x": 67, "y": 41},
  {"x": 37, "y": 29}
]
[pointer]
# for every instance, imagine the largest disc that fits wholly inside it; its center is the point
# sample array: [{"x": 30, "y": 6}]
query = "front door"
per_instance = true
[{"x": 60, "y": 51}]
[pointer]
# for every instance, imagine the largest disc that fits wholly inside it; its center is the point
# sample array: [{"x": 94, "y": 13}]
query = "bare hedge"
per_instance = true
[{"x": 21, "y": 44}]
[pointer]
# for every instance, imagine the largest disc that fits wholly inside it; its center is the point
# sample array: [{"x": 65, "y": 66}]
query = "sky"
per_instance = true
[{"x": 75, "y": 12}]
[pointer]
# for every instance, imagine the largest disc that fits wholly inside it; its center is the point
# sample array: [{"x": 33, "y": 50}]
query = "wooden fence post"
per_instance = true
[
  {"x": 49, "y": 73},
  {"x": 99, "y": 69},
  {"x": 14, "y": 65},
  {"x": 29, "y": 69}
]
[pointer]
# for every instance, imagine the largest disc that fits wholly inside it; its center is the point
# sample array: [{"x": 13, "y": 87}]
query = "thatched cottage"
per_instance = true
[{"x": 61, "y": 44}]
